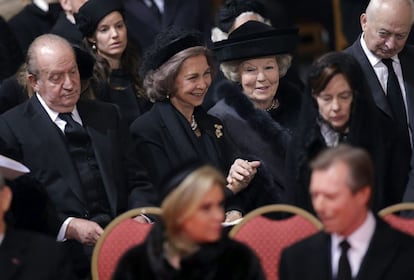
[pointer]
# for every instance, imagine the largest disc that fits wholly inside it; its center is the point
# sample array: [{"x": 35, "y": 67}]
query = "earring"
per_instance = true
[{"x": 94, "y": 46}]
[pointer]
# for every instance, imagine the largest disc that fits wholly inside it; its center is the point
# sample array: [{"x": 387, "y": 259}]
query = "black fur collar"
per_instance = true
[{"x": 260, "y": 120}]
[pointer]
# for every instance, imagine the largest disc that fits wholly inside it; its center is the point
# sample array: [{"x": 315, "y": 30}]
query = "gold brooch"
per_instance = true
[{"x": 219, "y": 131}]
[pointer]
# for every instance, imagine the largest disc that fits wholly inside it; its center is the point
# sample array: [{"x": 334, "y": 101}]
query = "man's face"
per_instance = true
[
  {"x": 339, "y": 210},
  {"x": 58, "y": 81},
  {"x": 387, "y": 29}
]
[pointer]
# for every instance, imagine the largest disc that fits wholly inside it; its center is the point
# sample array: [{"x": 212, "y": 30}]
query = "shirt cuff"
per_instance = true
[{"x": 62, "y": 231}]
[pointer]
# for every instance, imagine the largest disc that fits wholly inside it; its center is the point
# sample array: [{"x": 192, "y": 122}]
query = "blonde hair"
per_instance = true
[{"x": 183, "y": 202}]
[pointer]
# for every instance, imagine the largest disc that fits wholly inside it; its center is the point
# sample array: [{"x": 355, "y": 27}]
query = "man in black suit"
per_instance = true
[
  {"x": 386, "y": 25},
  {"x": 146, "y": 18},
  {"x": 34, "y": 19},
  {"x": 23, "y": 254},
  {"x": 82, "y": 157},
  {"x": 341, "y": 187}
]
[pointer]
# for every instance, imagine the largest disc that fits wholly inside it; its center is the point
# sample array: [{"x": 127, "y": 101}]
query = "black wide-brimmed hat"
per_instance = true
[
  {"x": 256, "y": 39},
  {"x": 166, "y": 44},
  {"x": 231, "y": 9},
  {"x": 93, "y": 11}
]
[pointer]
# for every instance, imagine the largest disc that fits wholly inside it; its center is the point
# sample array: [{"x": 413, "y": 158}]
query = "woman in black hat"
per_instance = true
[
  {"x": 338, "y": 108},
  {"x": 258, "y": 111},
  {"x": 117, "y": 58},
  {"x": 178, "y": 70},
  {"x": 188, "y": 242}
]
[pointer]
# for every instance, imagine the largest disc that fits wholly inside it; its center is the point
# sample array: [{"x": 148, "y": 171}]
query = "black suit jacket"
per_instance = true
[
  {"x": 143, "y": 25},
  {"x": 28, "y": 255},
  {"x": 390, "y": 255},
  {"x": 164, "y": 141},
  {"x": 32, "y": 138},
  {"x": 406, "y": 57}
]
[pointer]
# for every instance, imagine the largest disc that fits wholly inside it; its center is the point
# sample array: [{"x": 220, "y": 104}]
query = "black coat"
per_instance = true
[
  {"x": 163, "y": 141},
  {"x": 258, "y": 136},
  {"x": 406, "y": 57},
  {"x": 224, "y": 259},
  {"x": 389, "y": 256},
  {"x": 11, "y": 94},
  {"x": 28, "y": 255},
  {"x": 11, "y": 56},
  {"x": 33, "y": 139},
  {"x": 143, "y": 24},
  {"x": 32, "y": 22},
  {"x": 368, "y": 129}
]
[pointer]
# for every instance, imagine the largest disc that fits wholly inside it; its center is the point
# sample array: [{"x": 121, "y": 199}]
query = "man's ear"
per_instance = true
[
  {"x": 5, "y": 199},
  {"x": 364, "y": 194},
  {"x": 33, "y": 82},
  {"x": 363, "y": 21}
]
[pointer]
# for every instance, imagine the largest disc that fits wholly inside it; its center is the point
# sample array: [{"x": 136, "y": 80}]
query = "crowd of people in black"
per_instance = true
[{"x": 106, "y": 99}]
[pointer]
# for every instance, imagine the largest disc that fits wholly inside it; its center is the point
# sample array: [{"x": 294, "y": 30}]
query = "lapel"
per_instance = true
[
  {"x": 320, "y": 264},
  {"x": 372, "y": 79},
  {"x": 184, "y": 145},
  {"x": 381, "y": 251},
  {"x": 53, "y": 141},
  {"x": 406, "y": 59},
  {"x": 100, "y": 136},
  {"x": 11, "y": 255}
]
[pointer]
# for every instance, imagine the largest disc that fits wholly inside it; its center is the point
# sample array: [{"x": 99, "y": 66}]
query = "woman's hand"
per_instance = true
[{"x": 241, "y": 173}]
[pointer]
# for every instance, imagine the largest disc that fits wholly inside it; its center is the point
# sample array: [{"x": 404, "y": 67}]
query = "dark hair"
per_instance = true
[
  {"x": 358, "y": 161},
  {"x": 331, "y": 64}
]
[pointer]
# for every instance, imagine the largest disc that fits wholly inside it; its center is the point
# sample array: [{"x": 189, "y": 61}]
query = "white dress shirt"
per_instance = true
[{"x": 381, "y": 70}]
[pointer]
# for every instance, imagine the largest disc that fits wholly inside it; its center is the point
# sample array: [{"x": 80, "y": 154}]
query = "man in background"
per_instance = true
[{"x": 354, "y": 243}]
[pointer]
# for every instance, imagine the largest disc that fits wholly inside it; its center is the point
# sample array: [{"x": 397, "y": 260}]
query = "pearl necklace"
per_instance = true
[
  {"x": 274, "y": 105},
  {"x": 194, "y": 124}
]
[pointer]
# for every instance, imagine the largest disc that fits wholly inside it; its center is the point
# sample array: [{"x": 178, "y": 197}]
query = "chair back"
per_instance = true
[
  {"x": 118, "y": 237},
  {"x": 391, "y": 215},
  {"x": 268, "y": 237}
]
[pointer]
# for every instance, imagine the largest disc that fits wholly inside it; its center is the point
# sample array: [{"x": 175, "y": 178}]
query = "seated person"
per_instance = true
[{"x": 188, "y": 242}]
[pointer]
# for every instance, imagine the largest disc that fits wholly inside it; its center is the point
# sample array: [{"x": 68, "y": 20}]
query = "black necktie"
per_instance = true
[
  {"x": 395, "y": 98},
  {"x": 74, "y": 132},
  {"x": 344, "y": 269}
]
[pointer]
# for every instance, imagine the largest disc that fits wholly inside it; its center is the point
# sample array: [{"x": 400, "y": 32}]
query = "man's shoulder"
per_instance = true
[
  {"x": 97, "y": 107},
  {"x": 308, "y": 244},
  {"x": 29, "y": 238}
]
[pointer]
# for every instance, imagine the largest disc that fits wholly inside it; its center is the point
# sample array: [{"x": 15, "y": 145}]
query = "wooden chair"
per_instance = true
[
  {"x": 120, "y": 235},
  {"x": 268, "y": 237},
  {"x": 390, "y": 215}
]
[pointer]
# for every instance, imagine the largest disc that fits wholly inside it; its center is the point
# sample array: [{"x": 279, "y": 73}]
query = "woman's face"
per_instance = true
[
  {"x": 191, "y": 84},
  {"x": 259, "y": 78},
  {"x": 334, "y": 102},
  {"x": 205, "y": 224},
  {"x": 111, "y": 36}
]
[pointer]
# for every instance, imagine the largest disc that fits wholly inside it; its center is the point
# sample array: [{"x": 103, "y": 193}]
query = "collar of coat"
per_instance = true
[{"x": 259, "y": 120}]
